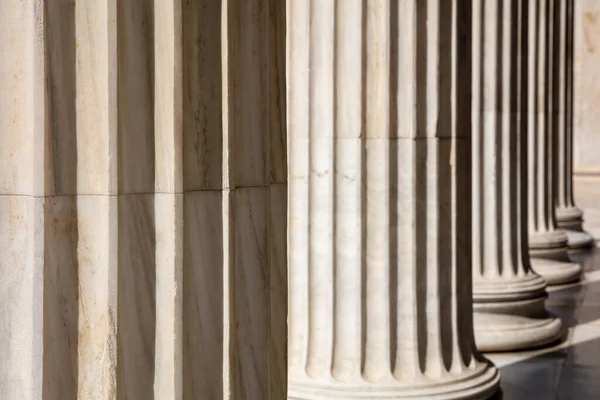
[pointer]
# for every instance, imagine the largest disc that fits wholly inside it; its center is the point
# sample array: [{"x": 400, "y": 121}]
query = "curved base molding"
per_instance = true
[
  {"x": 481, "y": 382},
  {"x": 555, "y": 240},
  {"x": 569, "y": 218},
  {"x": 556, "y": 272},
  {"x": 503, "y": 332},
  {"x": 511, "y": 315},
  {"x": 579, "y": 240},
  {"x": 510, "y": 293}
]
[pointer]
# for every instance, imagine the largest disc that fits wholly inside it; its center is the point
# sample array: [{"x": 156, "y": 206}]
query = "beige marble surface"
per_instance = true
[
  {"x": 143, "y": 198},
  {"x": 586, "y": 156}
]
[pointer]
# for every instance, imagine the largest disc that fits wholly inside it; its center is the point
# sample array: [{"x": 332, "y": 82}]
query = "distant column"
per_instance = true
[
  {"x": 568, "y": 216},
  {"x": 547, "y": 243},
  {"x": 508, "y": 296}
]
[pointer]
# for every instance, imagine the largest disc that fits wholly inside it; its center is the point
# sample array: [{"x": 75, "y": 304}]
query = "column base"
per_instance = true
[
  {"x": 549, "y": 243},
  {"x": 511, "y": 315},
  {"x": 497, "y": 332},
  {"x": 570, "y": 219},
  {"x": 579, "y": 240},
  {"x": 556, "y": 272},
  {"x": 480, "y": 382}
]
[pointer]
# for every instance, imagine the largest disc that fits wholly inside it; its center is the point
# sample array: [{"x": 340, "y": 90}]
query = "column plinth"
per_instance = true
[
  {"x": 548, "y": 244},
  {"x": 568, "y": 216},
  {"x": 379, "y": 229},
  {"x": 508, "y": 297}
]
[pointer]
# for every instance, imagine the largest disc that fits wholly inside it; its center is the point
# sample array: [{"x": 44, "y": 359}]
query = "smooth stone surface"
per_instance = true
[
  {"x": 556, "y": 272},
  {"x": 512, "y": 333}
]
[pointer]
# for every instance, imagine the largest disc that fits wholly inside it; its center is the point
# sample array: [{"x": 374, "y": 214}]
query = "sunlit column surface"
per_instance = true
[
  {"x": 547, "y": 243},
  {"x": 379, "y": 207}
]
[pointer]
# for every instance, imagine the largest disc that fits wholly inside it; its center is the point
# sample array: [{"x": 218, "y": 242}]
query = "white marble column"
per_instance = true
[
  {"x": 547, "y": 243},
  {"x": 568, "y": 216},
  {"x": 379, "y": 228},
  {"x": 508, "y": 296}
]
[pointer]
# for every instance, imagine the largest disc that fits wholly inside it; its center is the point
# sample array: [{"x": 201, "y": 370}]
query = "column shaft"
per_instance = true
[
  {"x": 508, "y": 295},
  {"x": 378, "y": 225},
  {"x": 568, "y": 216},
  {"x": 547, "y": 244}
]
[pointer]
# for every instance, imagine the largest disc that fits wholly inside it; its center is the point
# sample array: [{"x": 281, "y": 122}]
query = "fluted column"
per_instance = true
[
  {"x": 547, "y": 243},
  {"x": 568, "y": 216},
  {"x": 143, "y": 194},
  {"x": 508, "y": 295},
  {"x": 379, "y": 228}
]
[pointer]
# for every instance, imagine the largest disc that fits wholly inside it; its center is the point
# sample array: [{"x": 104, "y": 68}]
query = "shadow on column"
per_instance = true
[
  {"x": 204, "y": 341},
  {"x": 136, "y": 316},
  {"x": 61, "y": 236}
]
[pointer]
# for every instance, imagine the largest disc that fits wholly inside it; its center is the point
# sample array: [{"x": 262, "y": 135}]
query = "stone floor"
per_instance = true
[{"x": 569, "y": 370}]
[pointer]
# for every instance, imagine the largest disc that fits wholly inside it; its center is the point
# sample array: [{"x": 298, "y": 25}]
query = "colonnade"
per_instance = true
[{"x": 152, "y": 247}]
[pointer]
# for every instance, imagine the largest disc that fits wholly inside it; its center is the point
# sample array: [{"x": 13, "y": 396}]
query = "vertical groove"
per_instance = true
[
  {"x": 479, "y": 252},
  {"x": 377, "y": 359},
  {"x": 409, "y": 346},
  {"x": 569, "y": 100},
  {"x": 445, "y": 174},
  {"x": 348, "y": 115},
  {"x": 519, "y": 140},
  {"x": 460, "y": 293},
  {"x": 540, "y": 184},
  {"x": 560, "y": 85},
  {"x": 505, "y": 190},
  {"x": 433, "y": 366},
  {"x": 531, "y": 116},
  {"x": 420, "y": 187},
  {"x": 524, "y": 134},
  {"x": 491, "y": 138},
  {"x": 321, "y": 187},
  {"x": 551, "y": 114},
  {"x": 392, "y": 182}
]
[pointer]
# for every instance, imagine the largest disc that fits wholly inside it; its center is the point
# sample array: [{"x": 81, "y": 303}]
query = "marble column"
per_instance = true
[
  {"x": 548, "y": 246},
  {"x": 568, "y": 216},
  {"x": 143, "y": 193},
  {"x": 508, "y": 296},
  {"x": 379, "y": 228}
]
